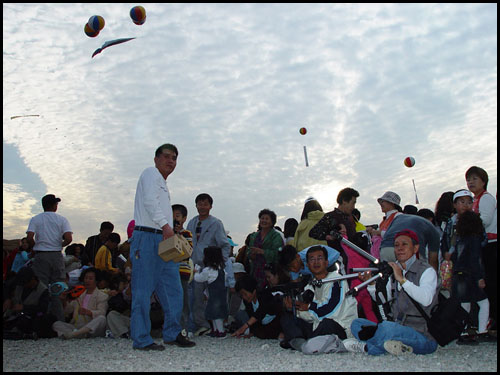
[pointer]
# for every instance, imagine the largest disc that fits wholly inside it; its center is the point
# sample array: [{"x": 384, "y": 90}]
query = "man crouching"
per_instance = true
[
  {"x": 407, "y": 333},
  {"x": 326, "y": 312}
]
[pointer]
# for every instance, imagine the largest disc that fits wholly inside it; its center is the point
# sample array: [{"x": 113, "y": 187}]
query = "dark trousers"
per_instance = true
[
  {"x": 489, "y": 258},
  {"x": 298, "y": 328}
]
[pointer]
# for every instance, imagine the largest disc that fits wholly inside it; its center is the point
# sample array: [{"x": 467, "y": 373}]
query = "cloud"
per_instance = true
[{"x": 231, "y": 84}]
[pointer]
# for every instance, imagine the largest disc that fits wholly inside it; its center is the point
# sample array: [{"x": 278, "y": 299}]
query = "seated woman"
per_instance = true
[
  {"x": 263, "y": 246},
  {"x": 87, "y": 313},
  {"x": 261, "y": 317}
]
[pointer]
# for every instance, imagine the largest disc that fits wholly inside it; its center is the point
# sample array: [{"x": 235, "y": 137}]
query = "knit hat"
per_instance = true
[
  {"x": 408, "y": 233},
  {"x": 390, "y": 197}
]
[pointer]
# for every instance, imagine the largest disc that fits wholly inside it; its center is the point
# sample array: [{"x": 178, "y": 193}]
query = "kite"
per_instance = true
[
  {"x": 96, "y": 23},
  {"x": 13, "y": 117},
  {"x": 409, "y": 162},
  {"x": 138, "y": 15},
  {"x": 90, "y": 33},
  {"x": 303, "y": 131},
  {"x": 110, "y": 43}
]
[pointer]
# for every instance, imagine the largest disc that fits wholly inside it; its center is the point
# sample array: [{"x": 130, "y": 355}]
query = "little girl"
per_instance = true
[{"x": 214, "y": 274}]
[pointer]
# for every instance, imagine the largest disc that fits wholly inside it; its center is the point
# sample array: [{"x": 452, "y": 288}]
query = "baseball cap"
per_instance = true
[
  {"x": 408, "y": 233},
  {"x": 238, "y": 268},
  {"x": 462, "y": 193},
  {"x": 49, "y": 200}
]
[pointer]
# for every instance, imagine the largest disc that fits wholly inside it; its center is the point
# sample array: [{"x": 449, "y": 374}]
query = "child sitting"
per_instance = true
[
  {"x": 103, "y": 256},
  {"x": 213, "y": 273}
]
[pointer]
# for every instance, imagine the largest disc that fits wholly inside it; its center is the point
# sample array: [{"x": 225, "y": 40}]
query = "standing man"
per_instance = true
[
  {"x": 150, "y": 273},
  {"x": 52, "y": 232},
  {"x": 207, "y": 231}
]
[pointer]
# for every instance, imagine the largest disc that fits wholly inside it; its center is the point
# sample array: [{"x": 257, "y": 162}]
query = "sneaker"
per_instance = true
[
  {"x": 200, "y": 331},
  {"x": 152, "y": 346},
  {"x": 354, "y": 346},
  {"x": 109, "y": 334},
  {"x": 397, "y": 347},
  {"x": 181, "y": 341},
  {"x": 286, "y": 345},
  {"x": 221, "y": 335},
  {"x": 467, "y": 340},
  {"x": 485, "y": 337}
]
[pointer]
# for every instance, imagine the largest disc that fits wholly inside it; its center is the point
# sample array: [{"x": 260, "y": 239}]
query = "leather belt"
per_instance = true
[{"x": 148, "y": 229}]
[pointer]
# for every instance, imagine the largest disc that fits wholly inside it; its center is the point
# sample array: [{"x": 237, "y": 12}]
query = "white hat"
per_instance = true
[
  {"x": 462, "y": 193},
  {"x": 238, "y": 268},
  {"x": 390, "y": 197}
]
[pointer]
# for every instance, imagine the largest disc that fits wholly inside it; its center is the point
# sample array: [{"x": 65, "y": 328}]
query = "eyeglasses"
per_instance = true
[{"x": 318, "y": 259}]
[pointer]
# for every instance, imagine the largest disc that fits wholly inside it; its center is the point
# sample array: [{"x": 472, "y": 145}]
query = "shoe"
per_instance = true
[
  {"x": 125, "y": 336},
  {"x": 109, "y": 334},
  {"x": 286, "y": 345},
  {"x": 220, "y": 335},
  {"x": 152, "y": 346},
  {"x": 211, "y": 334},
  {"x": 397, "y": 347},
  {"x": 354, "y": 346},
  {"x": 200, "y": 331},
  {"x": 485, "y": 337},
  {"x": 467, "y": 340},
  {"x": 181, "y": 341}
]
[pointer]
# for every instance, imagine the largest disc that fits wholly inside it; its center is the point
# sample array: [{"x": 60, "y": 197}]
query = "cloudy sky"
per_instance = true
[{"x": 231, "y": 85}]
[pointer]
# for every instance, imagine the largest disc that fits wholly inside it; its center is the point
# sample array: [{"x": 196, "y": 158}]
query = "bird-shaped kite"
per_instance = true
[{"x": 110, "y": 43}]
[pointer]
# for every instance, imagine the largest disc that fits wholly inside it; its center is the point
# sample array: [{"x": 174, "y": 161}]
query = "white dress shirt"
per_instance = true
[{"x": 152, "y": 207}]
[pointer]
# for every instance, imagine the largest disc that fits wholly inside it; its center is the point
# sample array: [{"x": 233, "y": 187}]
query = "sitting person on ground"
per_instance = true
[
  {"x": 296, "y": 263},
  {"x": 104, "y": 256},
  {"x": 263, "y": 246},
  {"x": 94, "y": 243},
  {"x": 323, "y": 310},
  {"x": 72, "y": 255},
  {"x": 25, "y": 315},
  {"x": 87, "y": 313},
  {"x": 261, "y": 317},
  {"x": 311, "y": 214},
  {"x": 407, "y": 332}
]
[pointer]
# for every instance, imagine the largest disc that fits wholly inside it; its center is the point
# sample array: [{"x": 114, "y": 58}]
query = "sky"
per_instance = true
[{"x": 231, "y": 85}]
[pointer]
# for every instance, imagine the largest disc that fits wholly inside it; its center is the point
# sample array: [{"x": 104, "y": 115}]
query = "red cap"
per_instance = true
[{"x": 409, "y": 233}]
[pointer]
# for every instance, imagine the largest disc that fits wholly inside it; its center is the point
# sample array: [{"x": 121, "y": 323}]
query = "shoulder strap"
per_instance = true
[{"x": 419, "y": 308}]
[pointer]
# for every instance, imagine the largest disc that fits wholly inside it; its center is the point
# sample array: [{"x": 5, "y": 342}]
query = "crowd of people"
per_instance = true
[{"x": 295, "y": 285}]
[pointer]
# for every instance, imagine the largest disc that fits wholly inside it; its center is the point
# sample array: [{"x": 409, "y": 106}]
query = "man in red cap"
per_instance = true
[{"x": 407, "y": 332}]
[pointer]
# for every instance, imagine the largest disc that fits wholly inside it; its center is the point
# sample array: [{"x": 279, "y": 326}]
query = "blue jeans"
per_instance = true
[
  {"x": 393, "y": 331},
  {"x": 150, "y": 273}
]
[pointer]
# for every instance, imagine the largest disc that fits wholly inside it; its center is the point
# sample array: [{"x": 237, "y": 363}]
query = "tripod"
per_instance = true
[{"x": 381, "y": 267}]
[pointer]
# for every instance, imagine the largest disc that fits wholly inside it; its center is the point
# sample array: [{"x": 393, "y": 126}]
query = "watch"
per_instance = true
[{"x": 402, "y": 281}]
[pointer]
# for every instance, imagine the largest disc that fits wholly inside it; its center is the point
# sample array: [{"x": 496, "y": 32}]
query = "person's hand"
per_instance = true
[
  {"x": 84, "y": 311},
  {"x": 398, "y": 273},
  {"x": 240, "y": 331},
  {"x": 301, "y": 306},
  {"x": 113, "y": 293},
  {"x": 167, "y": 231},
  {"x": 329, "y": 237},
  {"x": 363, "y": 276},
  {"x": 481, "y": 284}
]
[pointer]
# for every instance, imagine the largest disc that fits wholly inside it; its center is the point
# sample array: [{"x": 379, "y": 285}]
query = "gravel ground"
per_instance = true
[{"x": 231, "y": 354}]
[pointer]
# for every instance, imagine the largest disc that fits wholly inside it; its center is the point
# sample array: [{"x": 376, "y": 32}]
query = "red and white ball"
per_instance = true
[{"x": 409, "y": 162}]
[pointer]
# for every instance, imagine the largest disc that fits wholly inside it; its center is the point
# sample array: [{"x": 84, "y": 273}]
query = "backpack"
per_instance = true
[{"x": 447, "y": 321}]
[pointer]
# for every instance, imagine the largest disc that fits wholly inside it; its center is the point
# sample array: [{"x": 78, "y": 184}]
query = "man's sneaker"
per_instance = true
[
  {"x": 200, "y": 331},
  {"x": 220, "y": 335},
  {"x": 467, "y": 340},
  {"x": 152, "y": 346},
  {"x": 485, "y": 337},
  {"x": 354, "y": 346},
  {"x": 397, "y": 347},
  {"x": 181, "y": 341}
]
